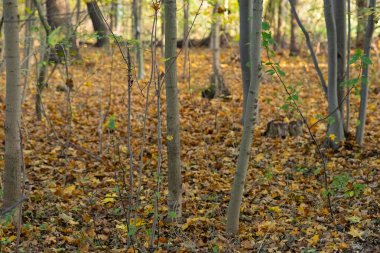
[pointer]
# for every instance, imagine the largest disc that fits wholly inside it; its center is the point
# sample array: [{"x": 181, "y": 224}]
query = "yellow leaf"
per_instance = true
[
  {"x": 313, "y": 121},
  {"x": 68, "y": 191},
  {"x": 169, "y": 137},
  {"x": 332, "y": 137},
  {"x": 110, "y": 198},
  {"x": 122, "y": 227},
  {"x": 275, "y": 209},
  {"x": 286, "y": 120},
  {"x": 12, "y": 238},
  {"x": 355, "y": 233},
  {"x": 314, "y": 240},
  {"x": 259, "y": 157},
  {"x": 87, "y": 84}
]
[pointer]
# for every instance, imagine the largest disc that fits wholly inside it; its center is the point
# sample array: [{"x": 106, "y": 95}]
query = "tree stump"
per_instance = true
[{"x": 279, "y": 129}]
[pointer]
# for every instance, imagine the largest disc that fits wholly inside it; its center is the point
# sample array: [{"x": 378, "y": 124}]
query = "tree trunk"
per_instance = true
[
  {"x": 347, "y": 122},
  {"x": 340, "y": 22},
  {"x": 163, "y": 27},
  {"x": 364, "y": 84},
  {"x": 12, "y": 169},
  {"x": 310, "y": 47},
  {"x": 28, "y": 42},
  {"x": 186, "y": 34},
  {"x": 233, "y": 212},
  {"x": 294, "y": 47},
  {"x": 216, "y": 78},
  {"x": 114, "y": 15},
  {"x": 58, "y": 15},
  {"x": 244, "y": 49},
  {"x": 137, "y": 11},
  {"x": 100, "y": 27},
  {"x": 279, "y": 34},
  {"x": 335, "y": 129},
  {"x": 172, "y": 110},
  {"x": 360, "y": 29}
]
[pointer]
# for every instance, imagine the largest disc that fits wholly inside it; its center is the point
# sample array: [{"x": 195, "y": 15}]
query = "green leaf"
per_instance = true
[
  {"x": 270, "y": 72},
  {"x": 279, "y": 70},
  {"x": 172, "y": 214},
  {"x": 265, "y": 26},
  {"x": 111, "y": 123},
  {"x": 55, "y": 37},
  {"x": 366, "y": 60}
]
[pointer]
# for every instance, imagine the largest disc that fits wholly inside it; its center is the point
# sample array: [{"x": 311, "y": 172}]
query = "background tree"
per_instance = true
[
  {"x": 340, "y": 22},
  {"x": 100, "y": 27},
  {"x": 244, "y": 49},
  {"x": 360, "y": 28},
  {"x": 58, "y": 15},
  {"x": 137, "y": 26},
  {"x": 186, "y": 36},
  {"x": 365, "y": 80},
  {"x": 255, "y": 8},
  {"x": 217, "y": 84},
  {"x": 172, "y": 110},
  {"x": 12, "y": 169},
  {"x": 294, "y": 47},
  {"x": 335, "y": 129}
]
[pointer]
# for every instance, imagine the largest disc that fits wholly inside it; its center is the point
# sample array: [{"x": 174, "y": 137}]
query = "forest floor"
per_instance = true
[{"x": 77, "y": 199}]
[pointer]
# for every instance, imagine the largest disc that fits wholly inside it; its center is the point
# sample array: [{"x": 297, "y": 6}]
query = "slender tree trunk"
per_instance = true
[
  {"x": 172, "y": 110},
  {"x": 294, "y": 47},
  {"x": 233, "y": 212},
  {"x": 360, "y": 29},
  {"x": 364, "y": 84},
  {"x": 163, "y": 26},
  {"x": 244, "y": 49},
  {"x": 28, "y": 41},
  {"x": 98, "y": 23},
  {"x": 77, "y": 17},
  {"x": 43, "y": 68},
  {"x": 137, "y": 11},
  {"x": 310, "y": 47},
  {"x": 335, "y": 129},
  {"x": 279, "y": 34},
  {"x": 114, "y": 15},
  {"x": 347, "y": 122},
  {"x": 216, "y": 79},
  {"x": 339, "y": 7},
  {"x": 12, "y": 169},
  {"x": 185, "y": 45}
]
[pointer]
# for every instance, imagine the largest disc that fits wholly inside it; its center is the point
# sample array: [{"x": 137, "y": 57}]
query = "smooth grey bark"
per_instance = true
[
  {"x": 310, "y": 47},
  {"x": 186, "y": 34},
  {"x": 43, "y": 68},
  {"x": 100, "y": 27},
  {"x": 339, "y": 7},
  {"x": 114, "y": 17},
  {"x": 364, "y": 85},
  {"x": 347, "y": 119},
  {"x": 216, "y": 79},
  {"x": 172, "y": 110},
  {"x": 233, "y": 212},
  {"x": 279, "y": 34},
  {"x": 335, "y": 132},
  {"x": 294, "y": 47},
  {"x": 12, "y": 156},
  {"x": 361, "y": 5},
  {"x": 244, "y": 49},
  {"x": 137, "y": 12},
  {"x": 28, "y": 42}
]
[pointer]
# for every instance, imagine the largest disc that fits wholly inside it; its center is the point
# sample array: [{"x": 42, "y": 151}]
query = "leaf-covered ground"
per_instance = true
[{"x": 78, "y": 199}]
